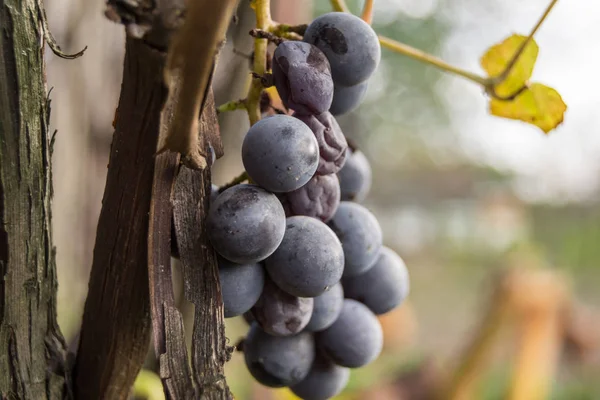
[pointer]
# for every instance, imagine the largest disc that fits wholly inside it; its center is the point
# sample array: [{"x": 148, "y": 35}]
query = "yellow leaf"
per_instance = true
[
  {"x": 497, "y": 58},
  {"x": 539, "y": 105}
]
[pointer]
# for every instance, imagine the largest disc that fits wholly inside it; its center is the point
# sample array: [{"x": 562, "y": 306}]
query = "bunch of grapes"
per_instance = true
[{"x": 299, "y": 257}]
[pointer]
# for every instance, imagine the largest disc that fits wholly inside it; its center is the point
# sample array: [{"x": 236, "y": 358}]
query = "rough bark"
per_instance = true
[
  {"x": 116, "y": 322},
  {"x": 32, "y": 348}
]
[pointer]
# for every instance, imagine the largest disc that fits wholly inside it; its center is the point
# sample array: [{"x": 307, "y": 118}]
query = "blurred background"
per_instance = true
[{"x": 461, "y": 195}]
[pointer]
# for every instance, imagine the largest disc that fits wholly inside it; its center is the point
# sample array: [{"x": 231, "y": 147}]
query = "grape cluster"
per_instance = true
[{"x": 299, "y": 257}]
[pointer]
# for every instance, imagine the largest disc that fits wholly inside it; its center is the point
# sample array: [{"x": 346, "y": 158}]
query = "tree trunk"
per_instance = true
[{"x": 31, "y": 346}]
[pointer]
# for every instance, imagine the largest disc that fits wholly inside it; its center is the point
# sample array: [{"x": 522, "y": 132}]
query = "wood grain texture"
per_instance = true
[{"x": 32, "y": 349}]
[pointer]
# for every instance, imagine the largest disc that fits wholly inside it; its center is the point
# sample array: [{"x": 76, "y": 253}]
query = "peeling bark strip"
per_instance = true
[
  {"x": 115, "y": 334},
  {"x": 200, "y": 270},
  {"x": 32, "y": 348}
]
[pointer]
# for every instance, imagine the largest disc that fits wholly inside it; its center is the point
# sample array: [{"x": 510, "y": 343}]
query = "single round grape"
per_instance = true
[
  {"x": 331, "y": 140},
  {"x": 360, "y": 235},
  {"x": 324, "y": 381},
  {"x": 355, "y": 177},
  {"x": 327, "y": 308},
  {"x": 309, "y": 260},
  {"x": 383, "y": 287},
  {"x": 241, "y": 286},
  {"x": 278, "y": 361},
  {"x": 347, "y": 98},
  {"x": 350, "y": 44},
  {"x": 246, "y": 224},
  {"x": 279, "y": 313},
  {"x": 319, "y": 198},
  {"x": 355, "y": 339},
  {"x": 303, "y": 77},
  {"x": 280, "y": 153}
]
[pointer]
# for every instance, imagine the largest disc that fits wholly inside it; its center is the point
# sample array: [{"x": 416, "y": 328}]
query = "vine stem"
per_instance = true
[
  {"x": 367, "y": 13},
  {"x": 263, "y": 22},
  {"x": 243, "y": 177}
]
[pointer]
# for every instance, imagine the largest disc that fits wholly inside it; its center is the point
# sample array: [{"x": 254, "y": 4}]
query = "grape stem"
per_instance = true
[
  {"x": 263, "y": 22},
  {"x": 232, "y": 106},
  {"x": 367, "y": 13},
  {"x": 243, "y": 177},
  {"x": 489, "y": 83}
]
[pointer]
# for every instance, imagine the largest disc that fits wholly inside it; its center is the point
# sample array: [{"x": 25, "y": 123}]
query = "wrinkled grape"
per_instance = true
[
  {"x": 331, "y": 140},
  {"x": 360, "y": 234},
  {"x": 350, "y": 44},
  {"x": 355, "y": 339},
  {"x": 302, "y": 77},
  {"x": 279, "y": 313},
  {"x": 327, "y": 308},
  {"x": 309, "y": 260},
  {"x": 319, "y": 198},
  {"x": 280, "y": 153},
  {"x": 278, "y": 361},
  {"x": 246, "y": 224}
]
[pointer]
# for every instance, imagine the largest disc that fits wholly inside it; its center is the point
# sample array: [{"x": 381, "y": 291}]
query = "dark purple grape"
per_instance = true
[
  {"x": 383, "y": 287},
  {"x": 279, "y": 313},
  {"x": 246, "y": 224},
  {"x": 355, "y": 339},
  {"x": 347, "y": 98},
  {"x": 278, "y": 361},
  {"x": 280, "y": 153},
  {"x": 309, "y": 260},
  {"x": 331, "y": 139},
  {"x": 319, "y": 198},
  {"x": 360, "y": 234},
  {"x": 350, "y": 44},
  {"x": 327, "y": 308},
  {"x": 324, "y": 381},
  {"x": 302, "y": 77},
  {"x": 241, "y": 286},
  {"x": 355, "y": 177}
]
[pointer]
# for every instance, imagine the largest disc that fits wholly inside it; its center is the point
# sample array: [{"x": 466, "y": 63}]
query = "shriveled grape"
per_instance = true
[
  {"x": 319, "y": 198},
  {"x": 303, "y": 77},
  {"x": 331, "y": 140},
  {"x": 279, "y": 313}
]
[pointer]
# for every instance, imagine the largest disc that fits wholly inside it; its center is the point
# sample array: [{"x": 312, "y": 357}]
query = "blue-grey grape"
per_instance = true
[
  {"x": 355, "y": 177},
  {"x": 347, "y": 98},
  {"x": 383, "y": 287},
  {"x": 324, "y": 381},
  {"x": 327, "y": 308},
  {"x": 241, "y": 286},
  {"x": 331, "y": 140},
  {"x": 278, "y": 361},
  {"x": 350, "y": 44},
  {"x": 280, "y": 153},
  {"x": 360, "y": 235},
  {"x": 246, "y": 224},
  {"x": 319, "y": 198},
  {"x": 355, "y": 339},
  {"x": 303, "y": 77},
  {"x": 279, "y": 313},
  {"x": 309, "y": 259}
]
